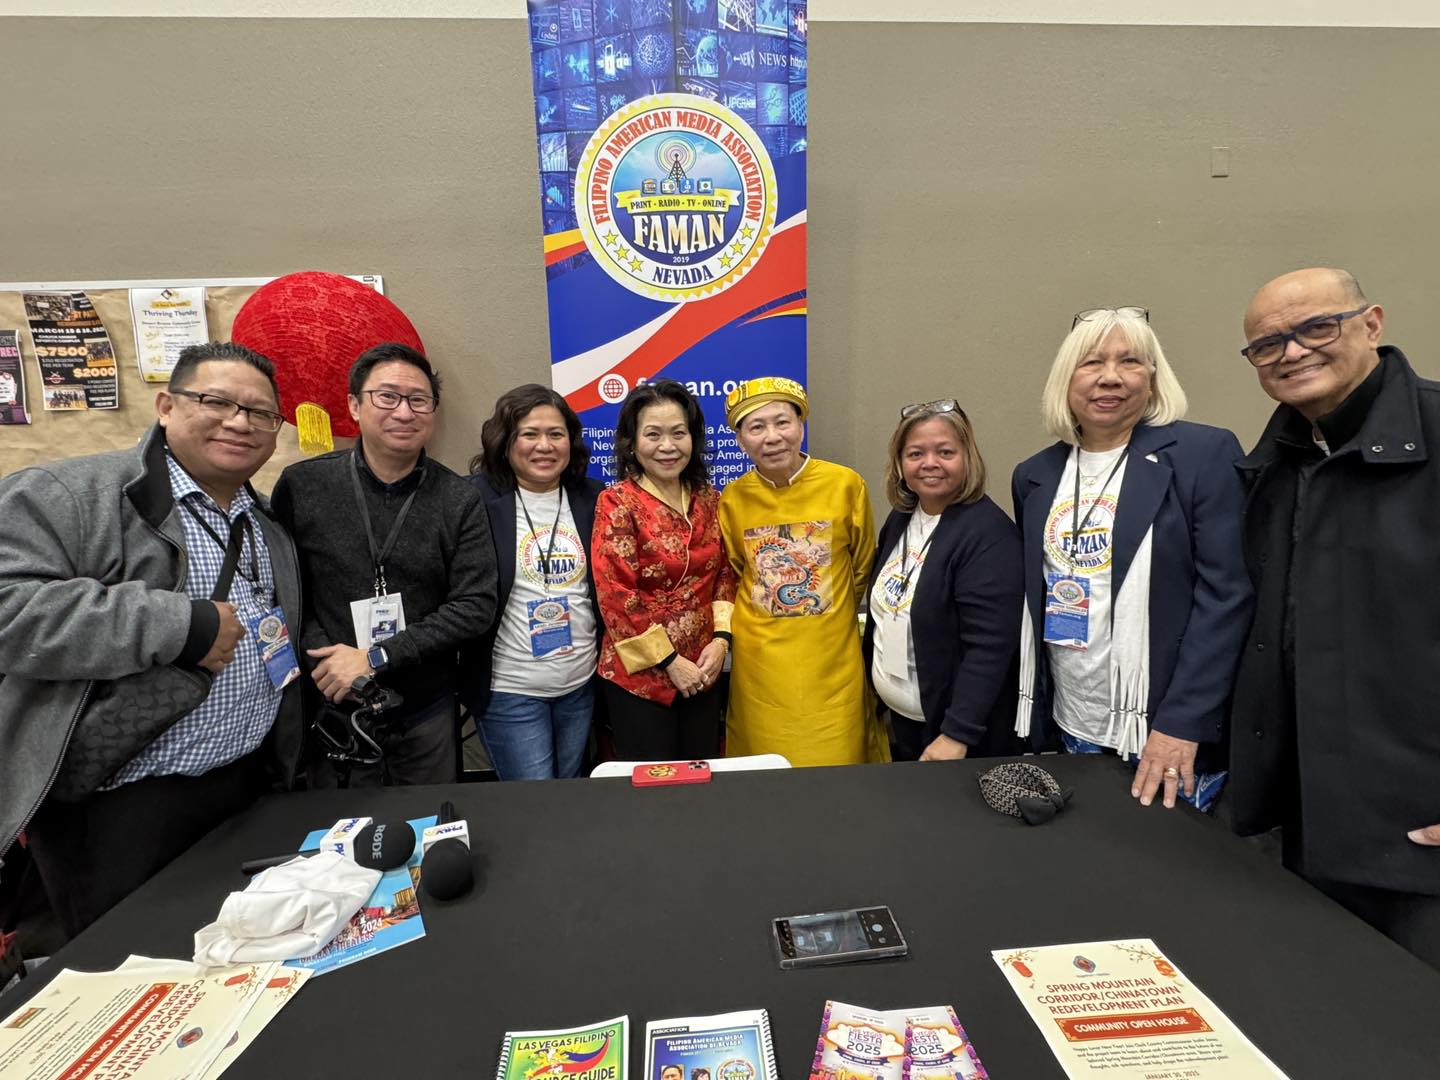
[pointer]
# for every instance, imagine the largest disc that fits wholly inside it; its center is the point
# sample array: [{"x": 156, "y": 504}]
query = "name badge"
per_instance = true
[
  {"x": 276, "y": 652},
  {"x": 894, "y": 646},
  {"x": 1067, "y": 611},
  {"x": 377, "y": 618},
  {"x": 549, "y": 626}
]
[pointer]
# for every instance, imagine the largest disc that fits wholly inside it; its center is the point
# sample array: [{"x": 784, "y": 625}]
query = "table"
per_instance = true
[{"x": 596, "y": 899}]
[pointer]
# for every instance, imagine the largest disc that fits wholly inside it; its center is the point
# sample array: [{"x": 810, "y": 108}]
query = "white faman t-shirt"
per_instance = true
[{"x": 516, "y": 669}]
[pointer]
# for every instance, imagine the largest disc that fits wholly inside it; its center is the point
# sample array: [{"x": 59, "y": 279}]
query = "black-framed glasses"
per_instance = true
[
  {"x": 1313, "y": 333},
  {"x": 1127, "y": 312},
  {"x": 389, "y": 400},
  {"x": 932, "y": 408},
  {"x": 222, "y": 408}
]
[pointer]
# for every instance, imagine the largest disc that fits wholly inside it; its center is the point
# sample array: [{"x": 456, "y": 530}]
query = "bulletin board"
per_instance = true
[{"x": 59, "y": 434}]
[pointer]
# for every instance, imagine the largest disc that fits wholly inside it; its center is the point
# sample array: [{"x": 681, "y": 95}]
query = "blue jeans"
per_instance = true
[
  {"x": 533, "y": 738},
  {"x": 1207, "y": 785}
]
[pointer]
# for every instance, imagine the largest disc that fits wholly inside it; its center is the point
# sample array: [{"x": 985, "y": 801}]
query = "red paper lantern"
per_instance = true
[{"x": 314, "y": 325}]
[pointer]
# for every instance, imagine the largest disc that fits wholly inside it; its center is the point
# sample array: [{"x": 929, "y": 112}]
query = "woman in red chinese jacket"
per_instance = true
[{"x": 664, "y": 586}]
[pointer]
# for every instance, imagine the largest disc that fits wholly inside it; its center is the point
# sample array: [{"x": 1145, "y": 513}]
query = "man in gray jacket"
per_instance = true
[{"x": 110, "y": 565}]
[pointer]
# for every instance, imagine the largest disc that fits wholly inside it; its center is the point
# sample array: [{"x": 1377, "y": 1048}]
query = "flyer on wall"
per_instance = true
[
  {"x": 73, "y": 352},
  {"x": 1121, "y": 1010},
  {"x": 12, "y": 380},
  {"x": 166, "y": 321}
]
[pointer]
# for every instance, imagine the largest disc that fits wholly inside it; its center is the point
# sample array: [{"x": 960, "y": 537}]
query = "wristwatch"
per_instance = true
[{"x": 377, "y": 658}]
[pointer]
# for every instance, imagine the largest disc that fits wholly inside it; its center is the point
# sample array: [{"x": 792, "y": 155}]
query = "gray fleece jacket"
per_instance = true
[{"x": 92, "y": 587}]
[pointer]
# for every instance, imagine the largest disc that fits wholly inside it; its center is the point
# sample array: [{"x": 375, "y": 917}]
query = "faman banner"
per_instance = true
[{"x": 672, "y": 140}]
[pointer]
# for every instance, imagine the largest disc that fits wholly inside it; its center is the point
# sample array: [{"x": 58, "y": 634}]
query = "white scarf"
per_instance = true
[{"x": 1129, "y": 659}]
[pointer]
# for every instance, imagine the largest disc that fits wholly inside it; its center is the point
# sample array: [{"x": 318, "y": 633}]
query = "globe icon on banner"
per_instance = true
[{"x": 613, "y": 388}]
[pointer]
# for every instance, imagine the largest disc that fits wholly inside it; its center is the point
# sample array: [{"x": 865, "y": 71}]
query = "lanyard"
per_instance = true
[
  {"x": 905, "y": 557},
  {"x": 554, "y": 532},
  {"x": 1078, "y": 523},
  {"x": 377, "y": 558},
  {"x": 232, "y": 549}
]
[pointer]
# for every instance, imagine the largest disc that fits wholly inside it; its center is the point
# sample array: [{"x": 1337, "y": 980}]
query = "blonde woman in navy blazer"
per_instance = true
[{"x": 1168, "y": 498}]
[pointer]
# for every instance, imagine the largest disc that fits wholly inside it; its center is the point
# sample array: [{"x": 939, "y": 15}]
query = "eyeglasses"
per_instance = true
[
  {"x": 390, "y": 400},
  {"x": 223, "y": 409},
  {"x": 1311, "y": 334},
  {"x": 933, "y": 408},
  {"x": 1090, "y": 314}
]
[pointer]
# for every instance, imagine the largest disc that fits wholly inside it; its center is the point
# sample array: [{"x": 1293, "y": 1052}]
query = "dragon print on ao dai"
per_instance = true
[{"x": 803, "y": 553}]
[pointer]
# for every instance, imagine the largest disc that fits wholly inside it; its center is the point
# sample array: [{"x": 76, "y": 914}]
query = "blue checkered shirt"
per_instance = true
[{"x": 242, "y": 704}]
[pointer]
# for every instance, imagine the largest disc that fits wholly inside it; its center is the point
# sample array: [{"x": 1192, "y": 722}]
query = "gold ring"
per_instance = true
[{"x": 1172, "y": 771}]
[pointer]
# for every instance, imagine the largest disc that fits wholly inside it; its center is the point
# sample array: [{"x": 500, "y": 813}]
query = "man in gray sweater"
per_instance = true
[
  {"x": 398, "y": 565},
  {"x": 114, "y": 565}
]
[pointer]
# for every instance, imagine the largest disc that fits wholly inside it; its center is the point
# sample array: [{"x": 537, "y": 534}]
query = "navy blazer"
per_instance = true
[
  {"x": 475, "y": 659},
  {"x": 964, "y": 621},
  {"x": 1180, "y": 480}
]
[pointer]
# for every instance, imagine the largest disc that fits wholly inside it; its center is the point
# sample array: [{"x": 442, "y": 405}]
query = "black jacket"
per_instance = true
[
  {"x": 1178, "y": 484},
  {"x": 475, "y": 657},
  {"x": 964, "y": 621},
  {"x": 1348, "y": 747},
  {"x": 443, "y": 564}
]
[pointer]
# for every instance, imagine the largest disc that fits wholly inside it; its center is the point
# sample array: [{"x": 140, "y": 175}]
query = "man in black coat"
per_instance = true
[{"x": 1336, "y": 731}]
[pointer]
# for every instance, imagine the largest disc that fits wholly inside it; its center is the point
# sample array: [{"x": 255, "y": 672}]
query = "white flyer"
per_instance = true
[
  {"x": 166, "y": 321},
  {"x": 1120, "y": 1010},
  {"x": 152, "y": 1021}
]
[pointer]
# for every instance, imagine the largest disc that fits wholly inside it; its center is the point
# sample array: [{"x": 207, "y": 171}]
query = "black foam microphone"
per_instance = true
[
  {"x": 447, "y": 870},
  {"x": 383, "y": 846}
]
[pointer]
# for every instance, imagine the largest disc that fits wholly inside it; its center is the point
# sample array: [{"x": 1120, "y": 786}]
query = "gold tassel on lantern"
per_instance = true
[{"x": 314, "y": 425}]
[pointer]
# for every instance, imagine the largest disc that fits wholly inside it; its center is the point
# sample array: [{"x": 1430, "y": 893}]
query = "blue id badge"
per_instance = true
[
  {"x": 276, "y": 652},
  {"x": 549, "y": 626},
  {"x": 1067, "y": 611}
]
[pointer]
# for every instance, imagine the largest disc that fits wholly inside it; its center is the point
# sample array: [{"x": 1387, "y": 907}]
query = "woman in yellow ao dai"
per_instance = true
[{"x": 801, "y": 535}]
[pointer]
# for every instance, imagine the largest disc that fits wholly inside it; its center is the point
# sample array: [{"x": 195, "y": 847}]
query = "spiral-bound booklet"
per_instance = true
[
  {"x": 728, "y": 1046},
  {"x": 598, "y": 1052}
]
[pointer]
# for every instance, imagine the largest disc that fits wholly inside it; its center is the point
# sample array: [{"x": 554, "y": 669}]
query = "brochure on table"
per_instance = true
[{"x": 390, "y": 917}]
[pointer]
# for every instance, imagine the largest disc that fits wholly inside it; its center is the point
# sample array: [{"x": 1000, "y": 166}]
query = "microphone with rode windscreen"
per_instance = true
[
  {"x": 382, "y": 846},
  {"x": 447, "y": 870}
]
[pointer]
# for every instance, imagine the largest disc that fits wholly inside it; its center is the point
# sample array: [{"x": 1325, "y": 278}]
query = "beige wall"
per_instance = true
[{"x": 971, "y": 187}]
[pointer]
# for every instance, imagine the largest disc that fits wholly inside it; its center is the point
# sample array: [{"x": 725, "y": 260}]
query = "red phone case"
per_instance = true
[{"x": 671, "y": 772}]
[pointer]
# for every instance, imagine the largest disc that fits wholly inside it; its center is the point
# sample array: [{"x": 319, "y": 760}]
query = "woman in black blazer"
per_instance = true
[
  {"x": 528, "y": 682},
  {"x": 945, "y": 593},
  {"x": 1132, "y": 634}
]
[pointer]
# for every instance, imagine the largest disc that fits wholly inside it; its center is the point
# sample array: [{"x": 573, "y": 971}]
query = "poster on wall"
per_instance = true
[
  {"x": 73, "y": 351},
  {"x": 672, "y": 140},
  {"x": 166, "y": 322},
  {"x": 12, "y": 380}
]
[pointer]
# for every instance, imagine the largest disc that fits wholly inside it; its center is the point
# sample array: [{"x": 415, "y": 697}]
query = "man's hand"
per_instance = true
[
  {"x": 1166, "y": 760},
  {"x": 944, "y": 748},
  {"x": 686, "y": 676},
  {"x": 222, "y": 651},
  {"x": 340, "y": 665},
  {"x": 1429, "y": 836},
  {"x": 712, "y": 660}
]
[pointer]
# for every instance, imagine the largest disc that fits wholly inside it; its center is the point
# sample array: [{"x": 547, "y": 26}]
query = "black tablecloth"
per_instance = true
[{"x": 596, "y": 899}]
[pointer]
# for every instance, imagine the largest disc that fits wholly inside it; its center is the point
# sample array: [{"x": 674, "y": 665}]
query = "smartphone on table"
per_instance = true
[{"x": 838, "y": 937}]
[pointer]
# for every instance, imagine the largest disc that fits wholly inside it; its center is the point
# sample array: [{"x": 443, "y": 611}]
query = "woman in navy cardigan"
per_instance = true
[
  {"x": 945, "y": 593},
  {"x": 528, "y": 683},
  {"x": 1132, "y": 634}
]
